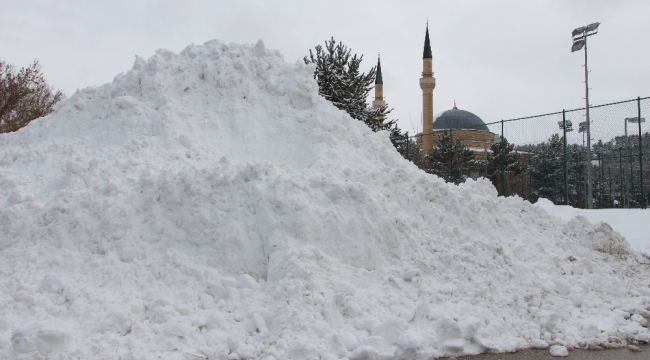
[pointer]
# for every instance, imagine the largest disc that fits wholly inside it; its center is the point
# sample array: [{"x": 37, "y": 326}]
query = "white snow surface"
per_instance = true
[
  {"x": 633, "y": 224},
  {"x": 211, "y": 205}
]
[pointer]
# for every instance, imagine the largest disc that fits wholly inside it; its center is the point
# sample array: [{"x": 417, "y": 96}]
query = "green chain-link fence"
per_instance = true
[{"x": 545, "y": 155}]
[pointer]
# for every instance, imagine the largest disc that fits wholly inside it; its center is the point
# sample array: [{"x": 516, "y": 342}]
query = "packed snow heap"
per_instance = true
[{"x": 211, "y": 205}]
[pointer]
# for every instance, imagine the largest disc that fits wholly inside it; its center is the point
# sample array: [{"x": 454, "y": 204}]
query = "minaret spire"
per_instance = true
[
  {"x": 427, "y": 44},
  {"x": 379, "y": 87},
  {"x": 427, "y": 84},
  {"x": 378, "y": 78}
]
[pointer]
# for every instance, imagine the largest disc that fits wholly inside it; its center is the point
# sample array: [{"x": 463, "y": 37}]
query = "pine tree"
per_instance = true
[
  {"x": 403, "y": 143},
  {"x": 450, "y": 159},
  {"x": 504, "y": 167},
  {"x": 341, "y": 81},
  {"x": 377, "y": 120},
  {"x": 547, "y": 172},
  {"x": 576, "y": 175}
]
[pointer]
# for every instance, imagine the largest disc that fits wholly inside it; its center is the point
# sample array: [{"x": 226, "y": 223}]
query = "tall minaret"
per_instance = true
[
  {"x": 427, "y": 84},
  {"x": 379, "y": 88}
]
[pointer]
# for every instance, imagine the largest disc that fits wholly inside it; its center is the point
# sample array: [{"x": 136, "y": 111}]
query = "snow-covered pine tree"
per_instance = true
[
  {"x": 377, "y": 119},
  {"x": 408, "y": 148},
  {"x": 341, "y": 81}
]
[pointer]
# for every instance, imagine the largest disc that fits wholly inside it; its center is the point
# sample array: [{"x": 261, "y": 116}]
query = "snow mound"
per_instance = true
[{"x": 210, "y": 204}]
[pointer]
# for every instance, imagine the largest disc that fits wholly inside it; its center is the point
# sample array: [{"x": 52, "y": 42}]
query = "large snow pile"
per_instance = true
[{"x": 211, "y": 205}]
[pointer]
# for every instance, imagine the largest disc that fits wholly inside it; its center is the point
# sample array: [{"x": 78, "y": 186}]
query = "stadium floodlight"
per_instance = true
[
  {"x": 578, "y": 31},
  {"x": 584, "y": 31},
  {"x": 579, "y": 36},
  {"x": 569, "y": 125},
  {"x": 592, "y": 27},
  {"x": 634, "y": 120},
  {"x": 577, "y": 45},
  {"x": 582, "y": 127}
]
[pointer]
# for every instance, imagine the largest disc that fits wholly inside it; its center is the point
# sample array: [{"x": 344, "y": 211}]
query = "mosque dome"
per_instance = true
[{"x": 457, "y": 119}]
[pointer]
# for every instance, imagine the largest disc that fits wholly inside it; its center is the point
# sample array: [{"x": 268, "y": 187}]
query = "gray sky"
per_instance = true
[{"x": 499, "y": 59}]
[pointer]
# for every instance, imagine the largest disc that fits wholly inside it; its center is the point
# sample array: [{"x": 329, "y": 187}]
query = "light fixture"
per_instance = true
[
  {"x": 578, "y": 31},
  {"x": 582, "y": 127},
  {"x": 569, "y": 125},
  {"x": 577, "y": 45},
  {"x": 592, "y": 27}
]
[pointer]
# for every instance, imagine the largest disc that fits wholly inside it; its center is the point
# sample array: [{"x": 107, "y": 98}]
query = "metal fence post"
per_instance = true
[
  {"x": 600, "y": 188},
  {"x": 638, "y": 104},
  {"x": 450, "y": 165},
  {"x": 620, "y": 176},
  {"x": 503, "y": 182},
  {"x": 584, "y": 174},
  {"x": 566, "y": 187}
]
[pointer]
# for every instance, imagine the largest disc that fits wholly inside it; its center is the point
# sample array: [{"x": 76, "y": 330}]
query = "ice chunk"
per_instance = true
[{"x": 559, "y": 351}]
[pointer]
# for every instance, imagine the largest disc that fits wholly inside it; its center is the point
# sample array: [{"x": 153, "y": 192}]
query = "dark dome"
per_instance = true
[{"x": 458, "y": 120}]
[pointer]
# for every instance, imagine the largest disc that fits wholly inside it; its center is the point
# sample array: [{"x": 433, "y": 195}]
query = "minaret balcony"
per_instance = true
[
  {"x": 378, "y": 103},
  {"x": 427, "y": 82}
]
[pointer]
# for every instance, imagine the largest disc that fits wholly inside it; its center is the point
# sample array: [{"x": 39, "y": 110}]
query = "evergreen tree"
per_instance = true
[
  {"x": 599, "y": 187},
  {"x": 409, "y": 148},
  {"x": 450, "y": 159},
  {"x": 504, "y": 166},
  {"x": 377, "y": 120},
  {"x": 629, "y": 157},
  {"x": 576, "y": 175},
  {"x": 341, "y": 81},
  {"x": 615, "y": 171},
  {"x": 403, "y": 143},
  {"x": 547, "y": 172}
]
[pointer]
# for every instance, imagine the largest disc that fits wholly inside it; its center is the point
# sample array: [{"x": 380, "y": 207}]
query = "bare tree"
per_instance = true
[{"x": 24, "y": 96}]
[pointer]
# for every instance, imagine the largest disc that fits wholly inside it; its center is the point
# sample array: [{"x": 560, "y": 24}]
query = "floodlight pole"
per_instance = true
[
  {"x": 580, "y": 36},
  {"x": 582, "y": 127},
  {"x": 566, "y": 185},
  {"x": 584, "y": 173},
  {"x": 590, "y": 197},
  {"x": 638, "y": 104},
  {"x": 629, "y": 159}
]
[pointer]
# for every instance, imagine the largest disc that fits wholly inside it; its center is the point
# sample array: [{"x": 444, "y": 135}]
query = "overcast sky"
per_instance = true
[{"x": 498, "y": 59}]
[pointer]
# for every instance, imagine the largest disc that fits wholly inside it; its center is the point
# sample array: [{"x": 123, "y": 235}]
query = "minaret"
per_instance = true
[
  {"x": 379, "y": 88},
  {"x": 427, "y": 84}
]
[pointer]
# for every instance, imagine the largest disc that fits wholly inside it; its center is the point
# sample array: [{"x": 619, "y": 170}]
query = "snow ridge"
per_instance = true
[{"x": 210, "y": 204}]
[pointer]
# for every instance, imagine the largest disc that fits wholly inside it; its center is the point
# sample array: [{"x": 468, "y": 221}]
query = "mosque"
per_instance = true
[{"x": 462, "y": 125}]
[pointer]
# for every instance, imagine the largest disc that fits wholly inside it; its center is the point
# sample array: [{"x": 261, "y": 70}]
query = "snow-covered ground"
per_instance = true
[
  {"x": 633, "y": 224},
  {"x": 211, "y": 205}
]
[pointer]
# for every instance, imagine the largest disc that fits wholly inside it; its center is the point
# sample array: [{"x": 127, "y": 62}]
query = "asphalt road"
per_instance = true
[{"x": 619, "y": 354}]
